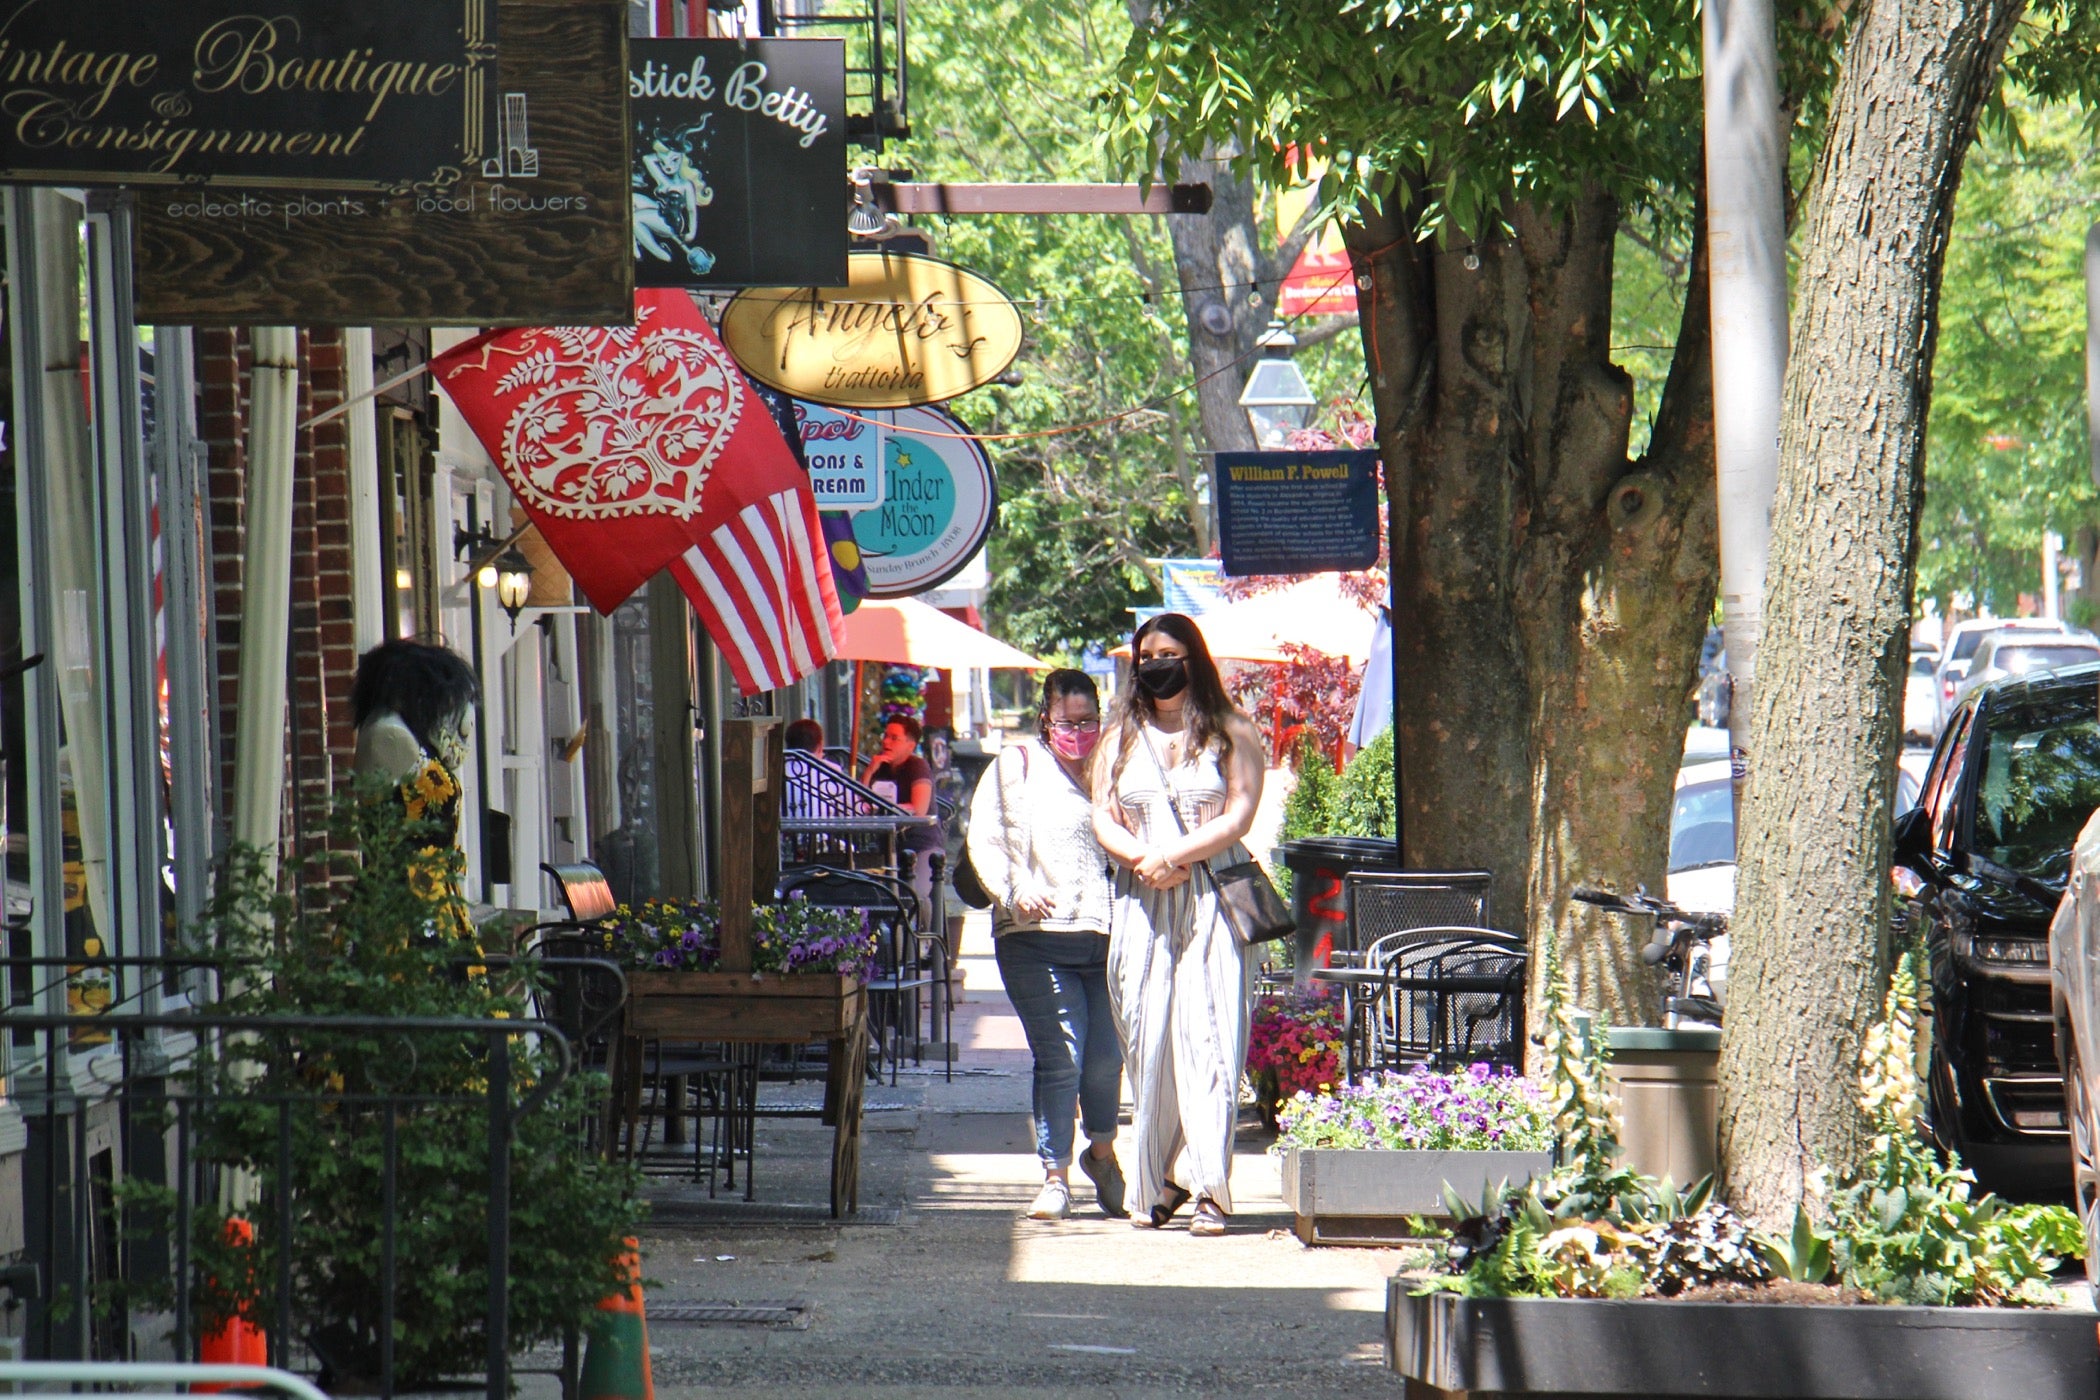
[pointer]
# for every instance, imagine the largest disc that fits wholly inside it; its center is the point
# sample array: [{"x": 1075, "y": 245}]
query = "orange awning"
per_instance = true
[{"x": 906, "y": 632}]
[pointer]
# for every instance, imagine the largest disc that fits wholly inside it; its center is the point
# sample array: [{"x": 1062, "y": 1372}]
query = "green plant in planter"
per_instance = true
[
  {"x": 379, "y": 935},
  {"x": 1594, "y": 1228},
  {"x": 1909, "y": 1230}
]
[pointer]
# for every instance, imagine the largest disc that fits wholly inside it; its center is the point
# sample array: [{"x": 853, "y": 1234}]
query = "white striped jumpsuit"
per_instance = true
[{"x": 1178, "y": 981}]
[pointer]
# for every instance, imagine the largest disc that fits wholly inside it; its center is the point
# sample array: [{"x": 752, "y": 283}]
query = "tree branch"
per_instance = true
[
  {"x": 1325, "y": 329},
  {"x": 1683, "y": 438}
]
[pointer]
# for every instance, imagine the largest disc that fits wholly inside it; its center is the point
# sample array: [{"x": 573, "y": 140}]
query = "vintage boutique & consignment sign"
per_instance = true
[
  {"x": 534, "y": 232},
  {"x": 905, "y": 329},
  {"x": 739, "y": 172},
  {"x": 307, "y": 94}
]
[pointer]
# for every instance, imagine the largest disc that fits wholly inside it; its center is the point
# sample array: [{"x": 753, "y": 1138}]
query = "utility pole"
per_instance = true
[{"x": 1746, "y": 251}]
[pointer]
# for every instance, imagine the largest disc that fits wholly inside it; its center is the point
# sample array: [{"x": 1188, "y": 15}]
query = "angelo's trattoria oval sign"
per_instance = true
[{"x": 906, "y": 329}]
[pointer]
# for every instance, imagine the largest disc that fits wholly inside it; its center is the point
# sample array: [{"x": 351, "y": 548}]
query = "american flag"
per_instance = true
[{"x": 640, "y": 448}]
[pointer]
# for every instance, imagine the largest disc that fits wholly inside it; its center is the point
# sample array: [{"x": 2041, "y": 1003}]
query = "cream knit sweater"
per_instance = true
[{"x": 1032, "y": 832}]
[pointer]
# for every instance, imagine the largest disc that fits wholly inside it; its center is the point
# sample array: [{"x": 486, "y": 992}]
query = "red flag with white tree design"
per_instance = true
[{"x": 639, "y": 448}]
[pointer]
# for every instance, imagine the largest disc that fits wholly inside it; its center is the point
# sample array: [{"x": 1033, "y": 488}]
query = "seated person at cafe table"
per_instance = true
[
  {"x": 809, "y": 796},
  {"x": 897, "y": 774}
]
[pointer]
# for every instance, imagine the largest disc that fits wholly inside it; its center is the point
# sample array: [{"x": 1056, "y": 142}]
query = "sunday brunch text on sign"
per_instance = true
[
  {"x": 1296, "y": 512},
  {"x": 307, "y": 94},
  {"x": 904, "y": 330},
  {"x": 739, "y": 172}
]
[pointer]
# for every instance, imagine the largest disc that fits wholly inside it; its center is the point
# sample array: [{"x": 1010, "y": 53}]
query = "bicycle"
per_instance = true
[{"x": 1692, "y": 946}]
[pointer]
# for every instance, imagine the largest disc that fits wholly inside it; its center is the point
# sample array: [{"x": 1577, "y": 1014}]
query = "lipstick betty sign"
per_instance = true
[
  {"x": 307, "y": 94},
  {"x": 739, "y": 174}
]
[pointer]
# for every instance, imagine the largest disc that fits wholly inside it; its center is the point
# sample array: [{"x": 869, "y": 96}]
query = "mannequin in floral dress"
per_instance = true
[{"x": 413, "y": 704}]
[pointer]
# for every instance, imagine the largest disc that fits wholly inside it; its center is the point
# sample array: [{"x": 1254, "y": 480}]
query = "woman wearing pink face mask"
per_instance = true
[{"x": 1032, "y": 843}]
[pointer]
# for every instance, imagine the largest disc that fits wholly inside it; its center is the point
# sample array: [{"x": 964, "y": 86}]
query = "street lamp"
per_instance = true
[{"x": 1278, "y": 400}]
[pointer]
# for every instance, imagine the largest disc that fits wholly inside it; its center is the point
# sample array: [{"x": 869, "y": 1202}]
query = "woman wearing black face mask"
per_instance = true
[{"x": 1179, "y": 778}]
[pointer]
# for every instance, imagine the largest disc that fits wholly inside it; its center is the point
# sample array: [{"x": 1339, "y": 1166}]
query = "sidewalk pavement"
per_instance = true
[{"x": 940, "y": 1287}]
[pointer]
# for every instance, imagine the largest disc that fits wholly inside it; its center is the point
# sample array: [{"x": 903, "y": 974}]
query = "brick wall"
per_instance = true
[{"x": 320, "y": 739}]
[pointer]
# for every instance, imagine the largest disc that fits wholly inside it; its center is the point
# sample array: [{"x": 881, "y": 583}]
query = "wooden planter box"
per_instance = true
[
  {"x": 1365, "y": 1194},
  {"x": 768, "y": 1007},
  {"x": 763, "y": 1009},
  {"x": 1451, "y": 1348}
]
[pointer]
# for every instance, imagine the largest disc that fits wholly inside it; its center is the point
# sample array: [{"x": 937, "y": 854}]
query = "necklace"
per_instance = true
[{"x": 1171, "y": 743}]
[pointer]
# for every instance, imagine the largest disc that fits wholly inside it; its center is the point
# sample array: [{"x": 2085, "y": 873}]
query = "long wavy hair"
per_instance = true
[{"x": 1207, "y": 708}]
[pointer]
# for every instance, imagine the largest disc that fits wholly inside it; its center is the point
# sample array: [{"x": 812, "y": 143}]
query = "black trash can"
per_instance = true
[{"x": 1317, "y": 865}]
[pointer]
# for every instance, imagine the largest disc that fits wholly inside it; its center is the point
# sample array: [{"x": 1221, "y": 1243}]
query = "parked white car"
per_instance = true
[
  {"x": 2026, "y": 652},
  {"x": 1921, "y": 702},
  {"x": 1702, "y": 832},
  {"x": 1963, "y": 641}
]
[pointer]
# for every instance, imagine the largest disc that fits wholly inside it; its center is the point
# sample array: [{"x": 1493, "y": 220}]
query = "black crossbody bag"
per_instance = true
[{"x": 1253, "y": 910}]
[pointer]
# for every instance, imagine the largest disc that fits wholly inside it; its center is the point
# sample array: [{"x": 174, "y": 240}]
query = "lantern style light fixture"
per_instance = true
[
  {"x": 508, "y": 574},
  {"x": 1278, "y": 400},
  {"x": 513, "y": 582}
]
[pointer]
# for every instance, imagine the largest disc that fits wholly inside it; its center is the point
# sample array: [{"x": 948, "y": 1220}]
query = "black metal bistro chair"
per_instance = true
[
  {"x": 1383, "y": 902},
  {"x": 1450, "y": 996},
  {"x": 676, "y": 1083},
  {"x": 911, "y": 960}
]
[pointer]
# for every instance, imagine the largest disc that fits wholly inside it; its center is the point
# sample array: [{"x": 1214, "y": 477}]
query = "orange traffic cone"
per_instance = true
[
  {"x": 236, "y": 1341},
  {"x": 616, "y": 1353}
]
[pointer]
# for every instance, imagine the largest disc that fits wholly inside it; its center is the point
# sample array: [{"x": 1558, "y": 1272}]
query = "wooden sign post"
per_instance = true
[{"x": 753, "y": 771}]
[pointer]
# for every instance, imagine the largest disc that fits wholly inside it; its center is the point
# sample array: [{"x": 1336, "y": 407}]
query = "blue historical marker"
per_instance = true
[{"x": 1296, "y": 512}]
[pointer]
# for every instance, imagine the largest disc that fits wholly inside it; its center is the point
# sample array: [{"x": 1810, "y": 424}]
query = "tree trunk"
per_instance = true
[
  {"x": 1218, "y": 261},
  {"x": 1812, "y": 909},
  {"x": 1549, "y": 593}
]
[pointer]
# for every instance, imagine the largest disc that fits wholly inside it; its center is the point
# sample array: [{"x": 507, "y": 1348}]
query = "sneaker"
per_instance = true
[
  {"x": 1107, "y": 1175},
  {"x": 1053, "y": 1202}
]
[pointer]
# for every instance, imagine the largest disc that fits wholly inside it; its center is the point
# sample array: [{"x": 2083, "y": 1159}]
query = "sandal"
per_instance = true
[
  {"x": 1209, "y": 1221},
  {"x": 1170, "y": 1200}
]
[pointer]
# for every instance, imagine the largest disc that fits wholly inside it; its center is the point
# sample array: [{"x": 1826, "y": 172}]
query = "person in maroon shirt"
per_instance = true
[{"x": 897, "y": 774}]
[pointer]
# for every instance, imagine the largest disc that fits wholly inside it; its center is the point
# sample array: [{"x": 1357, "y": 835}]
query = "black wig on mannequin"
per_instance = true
[{"x": 424, "y": 684}]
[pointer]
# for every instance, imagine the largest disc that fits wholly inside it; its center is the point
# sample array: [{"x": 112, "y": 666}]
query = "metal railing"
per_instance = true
[{"x": 127, "y": 1109}]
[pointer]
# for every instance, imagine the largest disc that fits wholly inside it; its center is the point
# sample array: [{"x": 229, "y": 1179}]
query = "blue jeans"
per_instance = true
[{"x": 1058, "y": 983}]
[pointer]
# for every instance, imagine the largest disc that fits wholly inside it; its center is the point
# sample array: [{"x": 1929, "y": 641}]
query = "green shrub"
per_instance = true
[
  {"x": 1363, "y": 802},
  {"x": 385, "y": 937}
]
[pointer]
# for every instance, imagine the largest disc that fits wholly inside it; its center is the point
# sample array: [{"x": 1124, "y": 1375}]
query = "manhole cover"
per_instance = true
[{"x": 792, "y": 1313}]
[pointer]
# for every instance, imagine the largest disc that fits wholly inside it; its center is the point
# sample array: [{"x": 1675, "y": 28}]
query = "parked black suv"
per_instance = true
[{"x": 1981, "y": 862}]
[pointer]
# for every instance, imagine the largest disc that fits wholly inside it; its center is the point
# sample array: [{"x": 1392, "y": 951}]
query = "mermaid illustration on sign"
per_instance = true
[{"x": 669, "y": 193}]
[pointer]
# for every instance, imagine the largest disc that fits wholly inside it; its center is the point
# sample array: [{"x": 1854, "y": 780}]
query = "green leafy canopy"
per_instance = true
[{"x": 1469, "y": 103}]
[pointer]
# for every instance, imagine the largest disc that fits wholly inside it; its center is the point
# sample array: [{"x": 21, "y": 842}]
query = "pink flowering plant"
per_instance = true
[
  {"x": 1294, "y": 1045},
  {"x": 1471, "y": 1110},
  {"x": 685, "y": 935}
]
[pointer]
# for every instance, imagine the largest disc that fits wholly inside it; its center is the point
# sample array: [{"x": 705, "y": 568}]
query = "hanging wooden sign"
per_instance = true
[
  {"x": 534, "y": 232},
  {"x": 905, "y": 329},
  {"x": 939, "y": 502},
  {"x": 739, "y": 161},
  {"x": 307, "y": 94}
]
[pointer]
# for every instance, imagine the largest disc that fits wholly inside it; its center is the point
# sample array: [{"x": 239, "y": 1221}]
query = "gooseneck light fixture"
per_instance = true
[{"x": 499, "y": 565}]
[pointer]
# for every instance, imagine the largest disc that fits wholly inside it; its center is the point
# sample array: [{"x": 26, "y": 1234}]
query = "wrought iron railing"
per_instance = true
[{"x": 116, "y": 1112}]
